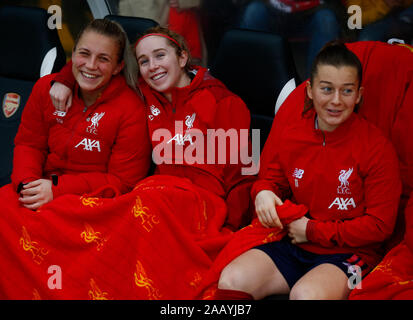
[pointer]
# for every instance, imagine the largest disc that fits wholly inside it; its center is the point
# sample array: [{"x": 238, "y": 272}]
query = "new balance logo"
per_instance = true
[
  {"x": 89, "y": 144},
  {"x": 298, "y": 173},
  {"x": 155, "y": 112},
  {"x": 343, "y": 203}
]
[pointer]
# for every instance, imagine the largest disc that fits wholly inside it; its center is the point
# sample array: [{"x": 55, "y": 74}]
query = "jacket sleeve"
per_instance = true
[
  {"x": 66, "y": 76},
  {"x": 274, "y": 180},
  {"x": 233, "y": 116},
  {"x": 271, "y": 176},
  {"x": 129, "y": 160},
  {"x": 31, "y": 139},
  {"x": 382, "y": 190}
]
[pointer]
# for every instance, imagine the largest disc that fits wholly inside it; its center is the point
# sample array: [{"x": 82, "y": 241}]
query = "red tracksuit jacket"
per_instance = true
[
  {"x": 348, "y": 179},
  {"x": 106, "y": 143}
]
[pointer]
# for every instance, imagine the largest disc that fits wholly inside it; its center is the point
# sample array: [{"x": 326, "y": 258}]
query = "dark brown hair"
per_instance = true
[{"x": 335, "y": 54}]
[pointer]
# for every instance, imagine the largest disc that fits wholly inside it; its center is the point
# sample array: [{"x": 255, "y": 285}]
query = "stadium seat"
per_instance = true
[
  {"x": 134, "y": 26},
  {"x": 258, "y": 67},
  {"x": 30, "y": 50}
]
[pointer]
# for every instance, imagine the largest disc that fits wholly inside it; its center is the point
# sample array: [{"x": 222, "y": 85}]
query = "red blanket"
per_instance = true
[
  {"x": 251, "y": 236},
  {"x": 153, "y": 243},
  {"x": 393, "y": 277},
  {"x": 157, "y": 242}
]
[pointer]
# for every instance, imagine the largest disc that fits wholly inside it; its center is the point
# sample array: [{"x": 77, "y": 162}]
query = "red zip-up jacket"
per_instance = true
[
  {"x": 205, "y": 104},
  {"x": 348, "y": 179},
  {"x": 87, "y": 148}
]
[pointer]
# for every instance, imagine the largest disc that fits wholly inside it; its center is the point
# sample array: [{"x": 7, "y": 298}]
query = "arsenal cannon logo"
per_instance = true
[{"x": 11, "y": 103}]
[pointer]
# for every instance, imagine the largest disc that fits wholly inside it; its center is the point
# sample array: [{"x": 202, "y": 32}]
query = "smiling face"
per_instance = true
[
  {"x": 95, "y": 61},
  {"x": 335, "y": 92},
  {"x": 160, "y": 66}
]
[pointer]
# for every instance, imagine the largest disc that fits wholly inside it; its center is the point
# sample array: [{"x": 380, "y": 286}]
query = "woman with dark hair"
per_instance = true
[{"x": 346, "y": 174}]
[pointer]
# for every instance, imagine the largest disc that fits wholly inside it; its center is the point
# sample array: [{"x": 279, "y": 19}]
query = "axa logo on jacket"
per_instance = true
[
  {"x": 89, "y": 144},
  {"x": 343, "y": 203},
  {"x": 180, "y": 139}
]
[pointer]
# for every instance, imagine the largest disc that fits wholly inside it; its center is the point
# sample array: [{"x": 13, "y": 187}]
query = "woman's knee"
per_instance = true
[
  {"x": 232, "y": 278},
  {"x": 304, "y": 292}
]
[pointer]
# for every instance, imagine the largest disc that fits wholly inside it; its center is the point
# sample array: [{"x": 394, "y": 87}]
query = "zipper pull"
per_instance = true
[{"x": 84, "y": 109}]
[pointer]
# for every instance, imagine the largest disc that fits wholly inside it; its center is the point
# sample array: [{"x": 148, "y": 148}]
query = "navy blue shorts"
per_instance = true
[{"x": 293, "y": 262}]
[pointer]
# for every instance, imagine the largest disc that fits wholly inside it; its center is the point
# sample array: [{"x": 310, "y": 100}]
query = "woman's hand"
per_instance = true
[
  {"x": 297, "y": 230},
  {"x": 61, "y": 96},
  {"x": 265, "y": 203},
  {"x": 36, "y": 193}
]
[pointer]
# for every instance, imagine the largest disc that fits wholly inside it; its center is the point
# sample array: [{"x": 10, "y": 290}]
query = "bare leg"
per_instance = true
[
  {"x": 324, "y": 282},
  {"x": 253, "y": 272}
]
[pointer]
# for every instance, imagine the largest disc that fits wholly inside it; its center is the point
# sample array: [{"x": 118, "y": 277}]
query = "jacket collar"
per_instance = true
[
  {"x": 202, "y": 79},
  {"x": 112, "y": 90},
  {"x": 341, "y": 132}
]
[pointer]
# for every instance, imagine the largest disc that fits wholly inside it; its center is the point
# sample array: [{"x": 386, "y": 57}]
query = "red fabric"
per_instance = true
[
  {"x": 156, "y": 242},
  {"x": 393, "y": 277},
  {"x": 185, "y": 22},
  {"x": 388, "y": 83},
  {"x": 85, "y": 149},
  {"x": 251, "y": 236},
  {"x": 409, "y": 224},
  {"x": 159, "y": 241}
]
